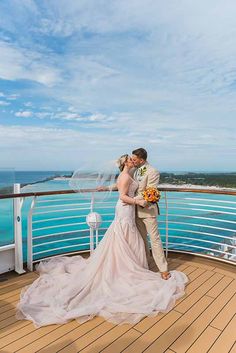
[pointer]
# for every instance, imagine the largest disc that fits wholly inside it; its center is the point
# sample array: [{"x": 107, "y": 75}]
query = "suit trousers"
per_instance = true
[{"x": 149, "y": 226}]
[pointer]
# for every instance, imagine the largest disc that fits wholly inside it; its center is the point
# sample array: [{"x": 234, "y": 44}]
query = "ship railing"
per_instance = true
[{"x": 193, "y": 221}]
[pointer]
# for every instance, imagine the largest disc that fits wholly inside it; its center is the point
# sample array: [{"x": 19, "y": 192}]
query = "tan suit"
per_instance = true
[{"x": 146, "y": 218}]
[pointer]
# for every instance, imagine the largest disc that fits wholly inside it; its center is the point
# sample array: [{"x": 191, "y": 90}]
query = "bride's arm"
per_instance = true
[{"x": 123, "y": 188}]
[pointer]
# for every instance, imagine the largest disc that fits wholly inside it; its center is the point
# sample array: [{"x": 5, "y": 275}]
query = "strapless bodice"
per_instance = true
[{"x": 125, "y": 212}]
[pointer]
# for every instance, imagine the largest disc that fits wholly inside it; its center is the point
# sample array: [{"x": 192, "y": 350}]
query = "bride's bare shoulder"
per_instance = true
[{"x": 123, "y": 178}]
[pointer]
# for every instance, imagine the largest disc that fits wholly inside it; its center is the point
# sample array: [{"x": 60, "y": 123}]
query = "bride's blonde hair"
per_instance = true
[{"x": 121, "y": 161}]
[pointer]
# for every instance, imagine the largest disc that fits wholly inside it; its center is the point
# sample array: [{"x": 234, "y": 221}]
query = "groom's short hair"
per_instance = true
[{"x": 141, "y": 153}]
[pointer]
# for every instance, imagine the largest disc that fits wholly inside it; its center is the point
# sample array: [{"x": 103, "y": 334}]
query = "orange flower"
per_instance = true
[{"x": 151, "y": 195}]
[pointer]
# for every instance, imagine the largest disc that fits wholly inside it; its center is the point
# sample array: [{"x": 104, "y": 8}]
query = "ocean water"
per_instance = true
[
  {"x": 9, "y": 176},
  {"x": 59, "y": 222}
]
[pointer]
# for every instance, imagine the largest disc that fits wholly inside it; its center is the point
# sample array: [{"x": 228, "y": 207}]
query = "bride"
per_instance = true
[{"x": 114, "y": 282}]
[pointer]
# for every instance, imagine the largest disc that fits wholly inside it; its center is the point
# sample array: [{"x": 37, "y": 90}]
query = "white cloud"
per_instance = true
[
  {"x": 139, "y": 55},
  {"x": 4, "y": 103},
  {"x": 72, "y": 109},
  {"x": 9, "y": 97},
  {"x": 71, "y": 115},
  {"x": 43, "y": 115},
  {"x": 28, "y": 104},
  {"x": 21, "y": 63},
  {"x": 24, "y": 114},
  {"x": 51, "y": 148},
  {"x": 58, "y": 148},
  {"x": 88, "y": 118},
  {"x": 13, "y": 97},
  {"x": 160, "y": 74}
]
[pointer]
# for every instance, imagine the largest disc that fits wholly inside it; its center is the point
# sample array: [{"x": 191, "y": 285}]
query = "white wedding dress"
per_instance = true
[{"x": 114, "y": 282}]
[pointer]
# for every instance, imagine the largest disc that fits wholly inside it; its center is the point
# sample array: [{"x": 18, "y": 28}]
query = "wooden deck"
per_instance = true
[{"x": 202, "y": 321}]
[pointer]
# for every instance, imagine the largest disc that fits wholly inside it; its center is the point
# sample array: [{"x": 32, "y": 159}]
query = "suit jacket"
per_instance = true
[{"x": 148, "y": 178}]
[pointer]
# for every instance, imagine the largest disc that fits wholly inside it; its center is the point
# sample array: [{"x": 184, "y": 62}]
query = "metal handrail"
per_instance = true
[
  {"x": 200, "y": 204},
  {"x": 199, "y": 217},
  {"x": 200, "y": 247},
  {"x": 169, "y": 205},
  {"x": 203, "y": 226},
  {"x": 200, "y": 240},
  {"x": 216, "y": 191},
  {"x": 67, "y": 217}
]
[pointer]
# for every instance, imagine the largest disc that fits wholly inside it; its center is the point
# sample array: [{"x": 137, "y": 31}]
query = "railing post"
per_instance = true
[
  {"x": 17, "y": 204},
  {"x": 91, "y": 229},
  {"x": 29, "y": 237},
  {"x": 234, "y": 244},
  {"x": 167, "y": 224}
]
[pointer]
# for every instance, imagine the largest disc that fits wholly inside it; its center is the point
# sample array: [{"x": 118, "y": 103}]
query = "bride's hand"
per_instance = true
[{"x": 102, "y": 188}]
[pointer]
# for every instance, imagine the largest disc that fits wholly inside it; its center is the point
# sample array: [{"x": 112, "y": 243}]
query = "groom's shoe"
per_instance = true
[{"x": 165, "y": 275}]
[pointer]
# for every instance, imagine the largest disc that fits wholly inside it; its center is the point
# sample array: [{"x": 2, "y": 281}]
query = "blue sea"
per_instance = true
[
  {"x": 59, "y": 222},
  {"x": 9, "y": 176}
]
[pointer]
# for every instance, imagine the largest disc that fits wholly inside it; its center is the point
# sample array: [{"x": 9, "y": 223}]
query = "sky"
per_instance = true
[{"x": 88, "y": 80}]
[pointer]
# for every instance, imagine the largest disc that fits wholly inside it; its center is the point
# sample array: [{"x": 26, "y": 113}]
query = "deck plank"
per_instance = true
[
  {"x": 26, "y": 343},
  {"x": 5, "y": 323},
  {"x": 8, "y": 313},
  {"x": 159, "y": 343},
  {"x": 12, "y": 328},
  {"x": 13, "y": 280},
  {"x": 202, "y": 321},
  {"x": 226, "y": 314},
  {"x": 233, "y": 349},
  {"x": 16, "y": 335},
  {"x": 188, "y": 270},
  {"x": 155, "y": 331},
  {"x": 231, "y": 274},
  {"x": 12, "y": 293},
  {"x": 49, "y": 338},
  {"x": 22, "y": 342},
  {"x": 196, "y": 273},
  {"x": 225, "y": 342},
  {"x": 205, "y": 341},
  {"x": 20, "y": 284},
  {"x": 200, "y": 265},
  {"x": 148, "y": 322},
  {"x": 78, "y": 344},
  {"x": 195, "y": 329},
  {"x": 196, "y": 283},
  {"x": 102, "y": 342},
  {"x": 67, "y": 338},
  {"x": 9, "y": 306},
  {"x": 122, "y": 342},
  {"x": 219, "y": 287},
  {"x": 198, "y": 293},
  {"x": 9, "y": 300}
]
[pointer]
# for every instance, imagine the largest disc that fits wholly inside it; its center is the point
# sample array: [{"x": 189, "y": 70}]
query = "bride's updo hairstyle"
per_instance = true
[{"x": 121, "y": 161}]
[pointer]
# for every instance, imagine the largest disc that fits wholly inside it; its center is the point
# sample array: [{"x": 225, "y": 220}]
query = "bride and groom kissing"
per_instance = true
[
  {"x": 115, "y": 281},
  {"x": 136, "y": 168}
]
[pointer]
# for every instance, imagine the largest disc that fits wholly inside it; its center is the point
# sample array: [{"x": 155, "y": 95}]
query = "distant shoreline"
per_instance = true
[
  {"x": 187, "y": 180},
  {"x": 62, "y": 177},
  {"x": 184, "y": 185},
  {"x": 9, "y": 189}
]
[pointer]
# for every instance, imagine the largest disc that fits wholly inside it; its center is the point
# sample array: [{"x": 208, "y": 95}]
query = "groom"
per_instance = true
[{"x": 146, "y": 218}]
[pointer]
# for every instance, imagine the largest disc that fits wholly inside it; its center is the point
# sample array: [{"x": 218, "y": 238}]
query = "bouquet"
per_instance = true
[{"x": 151, "y": 195}]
